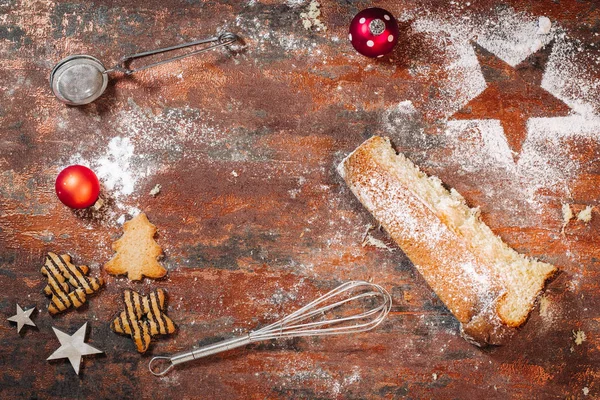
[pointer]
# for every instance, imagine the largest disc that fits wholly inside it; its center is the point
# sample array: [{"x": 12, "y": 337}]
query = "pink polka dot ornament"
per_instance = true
[{"x": 373, "y": 32}]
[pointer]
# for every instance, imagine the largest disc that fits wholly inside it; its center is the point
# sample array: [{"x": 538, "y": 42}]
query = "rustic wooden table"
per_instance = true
[{"x": 253, "y": 219}]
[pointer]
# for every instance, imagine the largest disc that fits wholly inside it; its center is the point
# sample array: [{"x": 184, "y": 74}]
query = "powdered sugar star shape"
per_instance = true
[{"x": 513, "y": 95}]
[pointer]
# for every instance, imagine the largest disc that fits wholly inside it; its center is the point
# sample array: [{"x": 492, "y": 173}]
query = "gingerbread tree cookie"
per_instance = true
[
  {"x": 143, "y": 318},
  {"x": 136, "y": 251},
  {"x": 68, "y": 284}
]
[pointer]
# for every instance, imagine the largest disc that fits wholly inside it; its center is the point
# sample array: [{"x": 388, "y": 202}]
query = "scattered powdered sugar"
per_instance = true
[
  {"x": 117, "y": 171},
  {"x": 338, "y": 386},
  {"x": 550, "y": 312},
  {"x": 263, "y": 38},
  {"x": 570, "y": 81},
  {"x": 480, "y": 146},
  {"x": 128, "y": 159},
  {"x": 544, "y": 161},
  {"x": 488, "y": 135},
  {"x": 403, "y": 116},
  {"x": 294, "y": 3},
  {"x": 302, "y": 372},
  {"x": 165, "y": 130},
  {"x": 510, "y": 35},
  {"x": 114, "y": 169},
  {"x": 406, "y": 108},
  {"x": 266, "y": 40}
]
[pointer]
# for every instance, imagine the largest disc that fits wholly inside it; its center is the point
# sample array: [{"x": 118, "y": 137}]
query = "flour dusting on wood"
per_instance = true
[{"x": 480, "y": 146}]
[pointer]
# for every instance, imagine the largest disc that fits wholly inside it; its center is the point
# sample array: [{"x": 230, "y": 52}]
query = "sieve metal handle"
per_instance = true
[{"x": 223, "y": 39}]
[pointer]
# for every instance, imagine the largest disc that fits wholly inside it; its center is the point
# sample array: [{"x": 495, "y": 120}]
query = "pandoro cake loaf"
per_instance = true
[{"x": 488, "y": 286}]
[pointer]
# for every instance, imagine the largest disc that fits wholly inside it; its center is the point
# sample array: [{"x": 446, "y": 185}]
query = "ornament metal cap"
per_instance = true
[{"x": 377, "y": 27}]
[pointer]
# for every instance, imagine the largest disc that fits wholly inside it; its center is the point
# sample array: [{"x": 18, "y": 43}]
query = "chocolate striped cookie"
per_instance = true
[
  {"x": 143, "y": 318},
  {"x": 68, "y": 284}
]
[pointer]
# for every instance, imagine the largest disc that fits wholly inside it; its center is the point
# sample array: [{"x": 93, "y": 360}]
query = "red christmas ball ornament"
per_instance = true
[
  {"x": 77, "y": 186},
  {"x": 374, "y": 32}
]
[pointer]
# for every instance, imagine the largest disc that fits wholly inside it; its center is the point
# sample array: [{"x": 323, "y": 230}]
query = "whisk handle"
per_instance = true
[
  {"x": 211, "y": 349},
  {"x": 160, "y": 365}
]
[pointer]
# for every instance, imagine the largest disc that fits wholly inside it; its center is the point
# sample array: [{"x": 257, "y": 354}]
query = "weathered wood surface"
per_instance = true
[{"x": 253, "y": 218}]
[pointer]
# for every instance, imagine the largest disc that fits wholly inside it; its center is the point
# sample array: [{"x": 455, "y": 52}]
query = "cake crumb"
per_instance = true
[
  {"x": 98, "y": 204},
  {"x": 579, "y": 337},
  {"x": 155, "y": 190},
  {"x": 585, "y": 391},
  {"x": 585, "y": 215},
  {"x": 371, "y": 241},
  {"x": 310, "y": 18},
  {"x": 235, "y": 174},
  {"x": 544, "y": 25},
  {"x": 434, "y": 376},
  {"x": 567, "y": 214}
]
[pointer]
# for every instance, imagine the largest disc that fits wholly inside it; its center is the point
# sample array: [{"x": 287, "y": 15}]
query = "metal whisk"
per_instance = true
[{"x": 303, "y": 322}]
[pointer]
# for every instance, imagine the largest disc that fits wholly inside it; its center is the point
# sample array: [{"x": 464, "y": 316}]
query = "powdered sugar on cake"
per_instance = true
[{"x": 409, "y": 219}]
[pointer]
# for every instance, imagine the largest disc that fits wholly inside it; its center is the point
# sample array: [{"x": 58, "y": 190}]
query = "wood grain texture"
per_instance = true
[{"x": 252, "y": 217}]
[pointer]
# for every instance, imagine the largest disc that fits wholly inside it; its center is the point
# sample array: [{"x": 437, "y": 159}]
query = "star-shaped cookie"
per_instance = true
[
  {"x": 143, "y": 318},
  {"x": 68, "y": 284}
]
